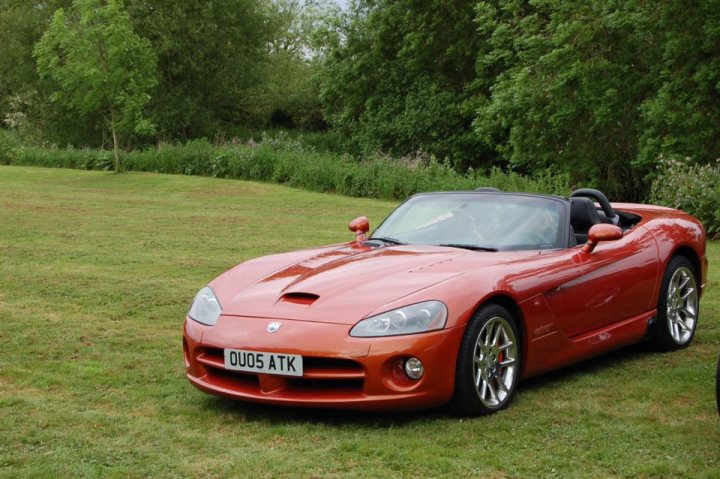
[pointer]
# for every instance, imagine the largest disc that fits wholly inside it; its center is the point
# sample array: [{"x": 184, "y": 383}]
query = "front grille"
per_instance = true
[
  {"x": 320, "y": 375},
  {"x": 237, "y": 378},
  {"x": 329, "y": 385}
]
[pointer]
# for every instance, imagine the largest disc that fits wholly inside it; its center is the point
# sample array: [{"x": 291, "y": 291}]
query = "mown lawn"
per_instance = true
[{"x": 96, "y": 272}]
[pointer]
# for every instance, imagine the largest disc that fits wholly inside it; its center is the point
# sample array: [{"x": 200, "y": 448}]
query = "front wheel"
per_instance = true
[
  {"x": 488, "y": 363},
  {"x": 677, "y": 306}
]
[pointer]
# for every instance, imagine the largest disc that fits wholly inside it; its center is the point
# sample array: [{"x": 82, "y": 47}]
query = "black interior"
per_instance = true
[{"x": 584, "y": 214}]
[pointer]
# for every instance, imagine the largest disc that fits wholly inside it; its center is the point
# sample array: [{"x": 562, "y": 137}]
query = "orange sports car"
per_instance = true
[{"x": 454, "y": 298}]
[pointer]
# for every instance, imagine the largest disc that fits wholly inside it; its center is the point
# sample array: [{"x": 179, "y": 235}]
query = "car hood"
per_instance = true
[{"x": 343, "y": 284}]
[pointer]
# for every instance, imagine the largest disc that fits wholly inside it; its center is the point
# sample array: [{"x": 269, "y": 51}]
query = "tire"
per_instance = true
[
  {"x": 678, "y": 306},
  {"x": 488, "y": 363}
]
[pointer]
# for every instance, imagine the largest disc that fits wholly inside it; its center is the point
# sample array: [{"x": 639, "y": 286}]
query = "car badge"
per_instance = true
[{"x": 274, "y": 326}]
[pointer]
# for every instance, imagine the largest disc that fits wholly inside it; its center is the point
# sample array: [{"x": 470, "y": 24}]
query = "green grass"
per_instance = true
[{"x": 96, "y": 273}]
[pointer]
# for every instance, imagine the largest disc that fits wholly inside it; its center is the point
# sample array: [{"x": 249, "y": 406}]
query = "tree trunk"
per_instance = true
[{"x": 116, "y": 160}]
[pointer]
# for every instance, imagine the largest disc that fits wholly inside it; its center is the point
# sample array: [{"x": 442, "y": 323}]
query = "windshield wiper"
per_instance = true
[
  {"x": 386, "y": 240},
  {"x": 472, "y": 247}
]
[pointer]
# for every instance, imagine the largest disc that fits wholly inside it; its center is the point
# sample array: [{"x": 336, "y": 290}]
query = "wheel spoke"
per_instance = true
[
  {"x": 681, "y": 324},
  {"x": 483, "y": 389},
  {"x": 685, "y": 281},
  {"x": 690, "y": 312},
  {"x": 505, "y": 345},
  {"x": 493, "y": 393},
  {"x": 674, "y": 329},
  {"x": 488, "y": 335},
  {"x": 507, "y": 362},
  {"x": 496, "y": 337},
  {"x": 687, "y": 293},
  {"x": 501, "y": 385}
]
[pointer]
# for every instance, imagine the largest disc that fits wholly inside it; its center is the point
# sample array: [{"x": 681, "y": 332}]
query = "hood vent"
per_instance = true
[{"x": 299, "y": 298}]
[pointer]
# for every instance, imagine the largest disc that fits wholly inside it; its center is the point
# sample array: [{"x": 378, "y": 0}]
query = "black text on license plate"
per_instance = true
[{"x": 259, "y": 362}]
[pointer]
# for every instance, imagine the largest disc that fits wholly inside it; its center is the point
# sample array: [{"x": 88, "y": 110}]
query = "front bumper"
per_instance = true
[{"x": 339, "y": 371}]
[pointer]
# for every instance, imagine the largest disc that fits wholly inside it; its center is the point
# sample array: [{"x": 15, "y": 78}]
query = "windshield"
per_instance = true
[{"x": 477, "y": 221}]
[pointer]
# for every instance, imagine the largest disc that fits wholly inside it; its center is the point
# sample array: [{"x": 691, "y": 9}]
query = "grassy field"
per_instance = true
[{"x": 96, "y": 272}]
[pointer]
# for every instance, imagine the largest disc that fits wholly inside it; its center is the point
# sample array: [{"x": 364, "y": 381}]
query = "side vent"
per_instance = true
[{"x": 305, "y": 299}]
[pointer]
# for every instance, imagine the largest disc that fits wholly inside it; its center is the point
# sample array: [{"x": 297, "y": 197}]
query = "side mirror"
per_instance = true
[
  {"x": 360, "y": 226},
  {"x": 601, "y": 232}
]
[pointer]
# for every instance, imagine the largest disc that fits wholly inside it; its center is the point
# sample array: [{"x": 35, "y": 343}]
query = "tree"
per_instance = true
[
  {"x": 681, "y": 119},
  {"x": 22, "y": 103},
  {"x": 599, "y": 89},
  {"x": 211, "y": 55},
  {"x": 399, "y": 78},
  {"x": 99, "y": 64},
  {"x": 561, "y": 86},
  {"x": 288, "y": 94}
]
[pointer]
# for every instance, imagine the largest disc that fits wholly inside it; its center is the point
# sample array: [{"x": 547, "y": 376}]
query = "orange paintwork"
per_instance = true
[
  {"x": 360, "y": 226},
  {"x": 573, "y": 303},
  {"x": 601, "y": 232}
]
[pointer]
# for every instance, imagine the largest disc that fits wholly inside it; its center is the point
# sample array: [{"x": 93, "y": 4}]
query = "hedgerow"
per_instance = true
[
  {"x": 680, "y": 184},
  {"x": 285, "y": 160}
]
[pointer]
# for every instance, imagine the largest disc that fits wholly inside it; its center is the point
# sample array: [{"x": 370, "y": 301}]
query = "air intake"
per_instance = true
[{"x": 299, "y": 298}]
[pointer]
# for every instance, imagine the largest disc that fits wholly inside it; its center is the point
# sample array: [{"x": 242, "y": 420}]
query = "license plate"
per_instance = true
[{"x": 268, "y": 363}]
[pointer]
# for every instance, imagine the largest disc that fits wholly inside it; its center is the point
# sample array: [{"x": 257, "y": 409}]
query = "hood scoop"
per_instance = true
[{"x": 304, "y": 299}]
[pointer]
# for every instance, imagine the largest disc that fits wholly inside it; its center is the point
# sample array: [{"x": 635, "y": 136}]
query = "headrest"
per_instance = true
[{"x": 583, "y": 213}]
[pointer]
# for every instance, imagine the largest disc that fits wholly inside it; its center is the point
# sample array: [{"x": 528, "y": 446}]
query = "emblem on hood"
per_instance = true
[{"x": 274, "y": 326}]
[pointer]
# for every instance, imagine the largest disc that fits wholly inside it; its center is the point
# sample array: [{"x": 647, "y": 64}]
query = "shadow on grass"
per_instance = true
[
  {"x": 588, "y": 367},
  {"x": 251, "y": 412}
]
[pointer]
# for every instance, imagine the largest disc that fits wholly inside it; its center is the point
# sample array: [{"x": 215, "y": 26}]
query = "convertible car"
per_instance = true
[{"x": 454, "y": 298}]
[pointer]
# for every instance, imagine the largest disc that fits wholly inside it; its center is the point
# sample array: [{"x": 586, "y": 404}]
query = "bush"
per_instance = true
[
  {"x": 692, "y": 188},
  {"x": 8, "y": 143},
  {"x": 283, "y": 159}
]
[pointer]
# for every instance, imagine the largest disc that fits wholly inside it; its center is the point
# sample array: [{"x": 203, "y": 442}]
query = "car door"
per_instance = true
[{"x": 618, "y": 282}]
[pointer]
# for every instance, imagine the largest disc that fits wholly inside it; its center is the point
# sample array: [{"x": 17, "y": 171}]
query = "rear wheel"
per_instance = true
[
  {"x": 677, "y": 306},
  {"x": 488, "y": 364}
]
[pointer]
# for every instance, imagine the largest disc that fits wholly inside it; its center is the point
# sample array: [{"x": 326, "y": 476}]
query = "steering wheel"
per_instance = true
[{"x": 602, "y": 201}]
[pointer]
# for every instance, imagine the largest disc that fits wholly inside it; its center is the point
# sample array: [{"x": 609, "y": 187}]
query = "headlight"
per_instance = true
[
  {"x": 205, "y": 307},
  {"x": 416, "y": 318}
]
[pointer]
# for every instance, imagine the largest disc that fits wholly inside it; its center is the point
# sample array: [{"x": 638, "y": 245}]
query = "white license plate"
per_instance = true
[{"x": 258, "y": 362}]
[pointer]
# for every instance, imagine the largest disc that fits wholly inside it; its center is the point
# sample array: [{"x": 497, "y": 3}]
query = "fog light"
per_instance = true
[{"x": 414, "y": 368}]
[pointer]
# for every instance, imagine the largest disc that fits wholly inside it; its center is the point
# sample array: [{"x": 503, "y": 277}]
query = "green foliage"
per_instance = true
[
  {"x": 25, "y": 106},
  {"x": 562, "y": 82},
  {"x": 396, "y": 79},
  {"x": 99, "y": 65},
  {"x": 691, "y": 187},
  {"x": 210, "y": 56},
  {"x": 599, "y": 89},
  {"x": 288, "y": 98},
  {"x": 284, "y": 159},
  {"x": 287, "y": 95},
  {"x": 595, "y": 89},
  {"x": 9, "y": 143},
  {"x": 21, "y": 25},
  {"x": 682, "y": 117}
]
